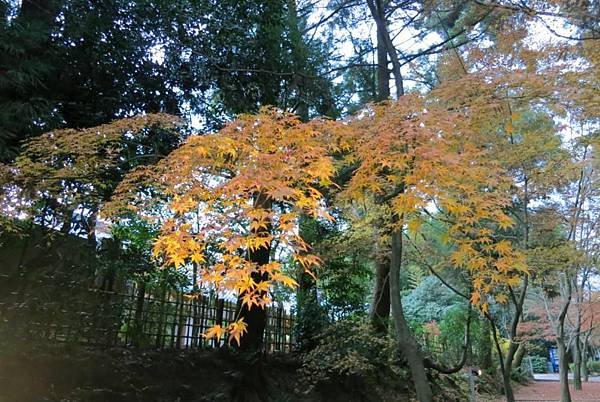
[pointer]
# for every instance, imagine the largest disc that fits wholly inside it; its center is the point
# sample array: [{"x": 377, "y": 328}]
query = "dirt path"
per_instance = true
[{"x": 550, "y": 391}]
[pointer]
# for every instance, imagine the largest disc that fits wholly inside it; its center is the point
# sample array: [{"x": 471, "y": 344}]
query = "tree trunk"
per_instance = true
[
  {"x": 486, "y": 362},
  {"x": 519, "y": 355},
  {"x": 563, "y": 370},
  {"x": 380, "y": 310},
  {"x": 256, "y": 318},
  {"x": 508, "y": 391},
  {"x": 577, "y": 337},
  {"x": 381, "y": 295},
  {"x": 584, "y": 356},
  {"x": 577, "y": 362},
  {"x": 138, "y": 323},
  {"x": 299, "y": 57},
  {"x": 377, "y": 10},
  {"x": 406, "y": 341},
  {"x": 309, "y": 316},
  {"x": 563, "y": 366},
  {"x": 509, "y": 359},
  {"x": 383, "y": 73}
]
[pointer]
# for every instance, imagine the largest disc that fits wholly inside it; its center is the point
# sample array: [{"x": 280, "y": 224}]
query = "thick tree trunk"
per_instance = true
[
  {"x": 508, "y": 391},
  {"x": 299, "y": 57},
  {"x": 519, "y": 355},
  {"x": 256, "y": 318},
  {"x": 138, "y": 323},
  {"x": 380, "y": 310},
  {"x": 383, "y": 73},
  {"x": 406, "y": 341}
]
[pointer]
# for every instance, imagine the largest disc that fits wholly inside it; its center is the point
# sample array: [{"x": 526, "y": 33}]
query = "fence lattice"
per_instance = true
[{"x": 161, "y": 319}]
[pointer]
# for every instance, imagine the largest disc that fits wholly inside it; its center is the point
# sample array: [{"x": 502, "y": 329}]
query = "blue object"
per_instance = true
[{"x": 554, "y": 359}]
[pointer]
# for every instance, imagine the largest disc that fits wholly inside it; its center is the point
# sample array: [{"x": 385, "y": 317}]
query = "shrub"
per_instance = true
[
  {"x": 593, "y": 366},
  {"x": 348, "y": 348},
  {"x": 539, "y": 364}
]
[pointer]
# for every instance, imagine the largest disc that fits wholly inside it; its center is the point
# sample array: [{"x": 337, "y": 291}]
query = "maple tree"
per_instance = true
[
  {"x": 61, "y": 178},
  {"x": 414, "y": 157},
  {"x": 249, "y": 183}
]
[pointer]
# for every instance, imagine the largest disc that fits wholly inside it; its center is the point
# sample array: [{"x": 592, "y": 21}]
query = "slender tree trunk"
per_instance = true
[
  {"x": 577, "y": 351},
  {"x": 577, "y": 362},
  {"x": 195, "y": 307},
  {"x": 377, "y": 10},
  {"x": 406, "y": 341},
  {"x": 507, "y": 362},
  {"x": 485, "y": 352},
  {"x": 563, "y": 366},
  {"x": 508, "y": 391},
  {"x": 138, "y": 324},
  {"x": 299, "y": 57},
  {"x": 380, "y": 307},
  {"x": 563, "y": 371},
  {"x": 584, "y": 367}
]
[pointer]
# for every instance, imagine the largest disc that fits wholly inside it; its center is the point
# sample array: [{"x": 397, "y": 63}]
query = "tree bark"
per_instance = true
[
  {"x": 380, "y": 310},
  {"x": 508, "y": 391},
  {"x": 519, "y": 355},
  {"x": 577, "y": 352},
  {"x": 577, "y": 362},
  {"x": 563, "y": 366},
  {"x": 406, "y": 341},
  {"x": 256, "y": 318},
  {"x": 383, "y": 73},
  {"x": 486, "y": 362},
  {"x": 378, "y": 13},
  {"x": 584, "y": 367},
  {"x": 563, "y": 372}
]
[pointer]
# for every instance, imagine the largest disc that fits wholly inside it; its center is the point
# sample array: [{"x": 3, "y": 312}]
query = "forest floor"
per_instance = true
[{"x": 120, "y": 375}]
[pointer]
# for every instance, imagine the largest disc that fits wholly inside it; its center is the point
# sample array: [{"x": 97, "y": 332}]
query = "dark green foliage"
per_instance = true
[
  {"x": 81, "y": 63},
  {"x": 128, "y": 253},
  {"x": 593, "y": 366},
  {"x": 26, "y": 62},
  {"x": 430, "y": 301},
  {"x": 538, "y": 363},
  {"x": 348, "y": 349}
]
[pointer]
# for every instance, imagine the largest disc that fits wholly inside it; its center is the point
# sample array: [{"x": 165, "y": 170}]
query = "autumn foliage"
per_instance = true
[{"x": 231, "y": 195}]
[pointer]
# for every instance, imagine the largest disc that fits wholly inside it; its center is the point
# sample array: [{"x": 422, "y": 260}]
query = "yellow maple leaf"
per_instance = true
[
  {"x": 236, "y": 330},
  {"x": 216, "y": 331},
  {"x": 502, "y": 299}
]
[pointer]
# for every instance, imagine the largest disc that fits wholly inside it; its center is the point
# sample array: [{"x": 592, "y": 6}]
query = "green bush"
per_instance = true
[
  {"x": 539, "y": 364},
  {"x": 348, "y": 348},
  {"x": 593, "y": 366}
]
